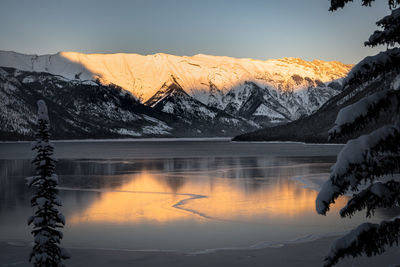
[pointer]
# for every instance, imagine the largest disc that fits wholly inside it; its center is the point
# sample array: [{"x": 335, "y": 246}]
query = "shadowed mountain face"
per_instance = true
[
  {"x": 257, "y": 105},
  {"x": 266, "y": 105},
  {"x": 77, "y": 110},
  {"x": 172, "y": 99},
  {"x": 314, "y": 128},
  {"x": 84, "y": 109}
]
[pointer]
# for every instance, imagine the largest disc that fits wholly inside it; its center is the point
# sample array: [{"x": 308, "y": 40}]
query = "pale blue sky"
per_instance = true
[{"x": 249, "y": 28}]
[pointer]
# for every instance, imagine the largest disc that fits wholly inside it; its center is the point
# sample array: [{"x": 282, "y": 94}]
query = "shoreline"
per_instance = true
[
  {"x": 111, "y": 140},
  {"x": 171, "y": 148},
  {"x": 172, "y": 139}
]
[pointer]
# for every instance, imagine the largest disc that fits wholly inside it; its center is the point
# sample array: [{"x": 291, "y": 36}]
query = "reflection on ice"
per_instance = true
[
  {"x": 199, "y": 203},
  {"x": 237, "y": 193},
  {"x": 142, "y": 199}
]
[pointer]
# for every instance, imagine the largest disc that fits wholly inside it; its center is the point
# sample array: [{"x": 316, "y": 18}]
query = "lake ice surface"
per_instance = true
[{"x": 193, "y": 196}]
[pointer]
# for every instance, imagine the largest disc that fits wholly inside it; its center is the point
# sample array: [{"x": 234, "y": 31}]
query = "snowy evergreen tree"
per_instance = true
[
  {"x": 46, "y": 219},
  {"x": 371, "y": 160}
]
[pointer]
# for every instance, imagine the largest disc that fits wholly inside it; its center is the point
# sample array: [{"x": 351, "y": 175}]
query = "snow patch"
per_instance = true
[
  {"x": 263, "y": 110},
  {"x": 126, "y": 132}
]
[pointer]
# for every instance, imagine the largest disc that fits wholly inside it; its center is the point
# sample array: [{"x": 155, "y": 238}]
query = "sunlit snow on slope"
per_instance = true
[{"x": 144, "y": 75}]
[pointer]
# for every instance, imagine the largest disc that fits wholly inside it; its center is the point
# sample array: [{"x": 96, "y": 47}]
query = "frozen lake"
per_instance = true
[{"x": 191, "y": 196}]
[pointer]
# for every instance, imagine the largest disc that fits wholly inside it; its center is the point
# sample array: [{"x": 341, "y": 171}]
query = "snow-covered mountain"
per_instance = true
[
  {"x": 85, "y": 109},
  {"x": 315, "y": 127},
  {"x": 172, "y": 99},
  {"x": 277, "y": 90},
  {"x": 78, "y": 109}
]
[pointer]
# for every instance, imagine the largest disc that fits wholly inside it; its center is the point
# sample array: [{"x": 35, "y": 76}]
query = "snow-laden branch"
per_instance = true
[
  {"x": 373, "y": 66},
  {"x": 390, "y": 35},
  {"x": 46, "y": 219},
  {"x": 365, "y": 158},
  {"x": 356, "y": 116},
  {"x": 367, "y": 238},
  {"x": 377, "y": 195},
  {"x": 372, "y": 156}
]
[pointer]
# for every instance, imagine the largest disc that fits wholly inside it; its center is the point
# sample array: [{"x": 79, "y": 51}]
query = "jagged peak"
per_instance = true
[{"x": 169, "y": 88}]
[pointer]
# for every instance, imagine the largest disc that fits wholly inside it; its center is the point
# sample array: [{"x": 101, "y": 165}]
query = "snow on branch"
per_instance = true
[
  {"x": 390, "y": 35},
  {"x": 356, "y": 116},
  {"x": 365, "y": 158},
  {"x": 367, "y": 238},
  {"x": 369, "y": 157},
  {"x": 46, "y": 219},
  {"x": 373, "y": 66},
  {"x": 377, "y": 195},
  {"x": 356, "y": 151}
]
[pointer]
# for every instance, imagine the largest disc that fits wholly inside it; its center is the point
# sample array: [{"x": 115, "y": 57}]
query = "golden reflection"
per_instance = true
[
  {"x": 149, "y": 197},
  {"x": 142, "y": 199}
]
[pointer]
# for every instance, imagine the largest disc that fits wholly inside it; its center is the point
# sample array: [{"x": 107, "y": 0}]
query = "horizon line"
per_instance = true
[{"x": 161, "y": 53}]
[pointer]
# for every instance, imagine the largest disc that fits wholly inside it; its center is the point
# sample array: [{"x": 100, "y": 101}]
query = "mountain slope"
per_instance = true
[
  {"x": 172, "y": 99},
  {"x": 84, "y": 109},
  {"x": 267, "y": 105},
  {"x": 314, "y": 128},
  {"x": 77, "y": 110},
  {"x": 290, "y": 87}
]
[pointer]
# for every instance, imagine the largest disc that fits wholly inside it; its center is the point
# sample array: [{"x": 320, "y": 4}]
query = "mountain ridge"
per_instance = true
[{"x": 142, "y": 75}]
